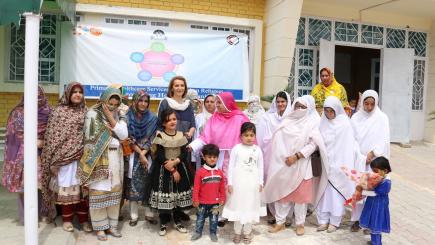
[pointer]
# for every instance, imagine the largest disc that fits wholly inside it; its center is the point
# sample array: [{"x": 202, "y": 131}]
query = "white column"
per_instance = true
[
  {"x": 429, "y": 131},
  {"x": 31, "y": 56},
  {"x": 281, "y": 24}
]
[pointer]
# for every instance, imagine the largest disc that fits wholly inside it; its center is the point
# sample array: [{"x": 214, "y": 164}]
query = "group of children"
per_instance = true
[{"x": 238, "y": 193}]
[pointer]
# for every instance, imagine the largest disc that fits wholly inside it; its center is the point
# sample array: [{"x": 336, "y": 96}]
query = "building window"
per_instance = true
[
  {"x": 417, "y": 41},
  {"x": 47, "y": 50},
  {"x": 395, "y": 38},
  {"x": 136, "y": 22},
  {"x": 110, "y": 20},
  {"x": 306, "y": 57},
  {"x": 319, "y": 29},
  {"x": 372, "y": 35},
  {"x": 199, "y": 27},
  {"x": 220, "y": 28},
  {"x": 346, "y": 32},
  {"x": 300, "y": 38},
  {"x": 418, "y": 85},
  {"x": 159, "y": 23}
]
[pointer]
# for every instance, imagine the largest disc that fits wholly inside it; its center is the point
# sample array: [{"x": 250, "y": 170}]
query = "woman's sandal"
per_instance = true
[
  {"x": 101, "y": 236},
  {"x": 133, "y": 222},
  {"x": 237, "y": 238},
  {"x": 68, "y": 226},
  {"x": 247, "y": 239}
]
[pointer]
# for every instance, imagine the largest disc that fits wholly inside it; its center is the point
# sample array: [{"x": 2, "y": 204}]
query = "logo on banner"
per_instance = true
[
  {"x": 157, "y": 61},
  {"x": 83, "y": 30}
]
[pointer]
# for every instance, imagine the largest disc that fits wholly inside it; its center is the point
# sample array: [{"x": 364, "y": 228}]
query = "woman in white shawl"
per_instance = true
[
  {"x": 269, "y": 122},
  {"x": 372, "y": 132},
  {"x": 312, "y": 112},
  {"x": 266, "y": 126},
  {"x": 290, "y": 177},
  {"x": 254, "y": 111},
  {"x": 208, "y": 108},
  {"x": 343, "y": 151}
]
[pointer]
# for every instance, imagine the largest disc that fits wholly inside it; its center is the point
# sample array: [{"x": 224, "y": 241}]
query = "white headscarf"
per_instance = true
[
  {"x": 341, "y": 147},
  {"x": 254, "y": 111},
  {"x": 294, "y": 132},
  {"x": 202, "y": 118},
  {"x": 372, "y": 130},
  {"x": 270, "y": 121},
  {"x": 311, "y": 106}
]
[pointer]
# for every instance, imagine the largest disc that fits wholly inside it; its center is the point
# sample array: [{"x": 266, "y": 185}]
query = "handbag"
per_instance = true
[{"x": 316, "y": 164}]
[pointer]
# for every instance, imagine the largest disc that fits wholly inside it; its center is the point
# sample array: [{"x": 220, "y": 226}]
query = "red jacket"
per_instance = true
[{"x": 209, "y": 187}]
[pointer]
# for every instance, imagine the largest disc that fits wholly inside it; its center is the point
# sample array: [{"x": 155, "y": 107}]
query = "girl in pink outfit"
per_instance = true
[{"x": 222, "y": 129}]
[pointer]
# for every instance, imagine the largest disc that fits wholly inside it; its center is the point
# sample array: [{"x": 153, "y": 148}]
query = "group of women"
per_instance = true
[{"x": 91, "y": 159}]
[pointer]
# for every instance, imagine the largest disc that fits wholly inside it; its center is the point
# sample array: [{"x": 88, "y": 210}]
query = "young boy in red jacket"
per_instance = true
[{"x": 208, "y": 192}]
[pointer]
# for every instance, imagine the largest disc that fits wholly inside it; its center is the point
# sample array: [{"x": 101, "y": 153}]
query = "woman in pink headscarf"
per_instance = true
[{"x": 222, "y": 129}]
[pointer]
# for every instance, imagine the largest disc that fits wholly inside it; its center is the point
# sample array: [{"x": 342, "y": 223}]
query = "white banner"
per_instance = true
[{"x": 97, "y": 56}]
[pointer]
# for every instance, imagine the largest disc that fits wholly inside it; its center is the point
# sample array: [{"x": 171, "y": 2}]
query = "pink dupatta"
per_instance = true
[{"x": 223, "y": 129}]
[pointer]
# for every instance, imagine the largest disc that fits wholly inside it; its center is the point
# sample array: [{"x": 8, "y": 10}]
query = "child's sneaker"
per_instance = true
[
  {"x": 213, "y": 237},
  {"x": 162, "y": 231},
  {"x": 195, "y": 236},
  {"x": 180, "y": 228}
]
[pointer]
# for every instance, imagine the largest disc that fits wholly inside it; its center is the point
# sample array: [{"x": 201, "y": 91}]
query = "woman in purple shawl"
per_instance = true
[{"x": 13, "y": 168}]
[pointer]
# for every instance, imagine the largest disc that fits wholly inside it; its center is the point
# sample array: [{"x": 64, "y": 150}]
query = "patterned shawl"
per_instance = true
[
  {"x": 63, "y": 142},
  {"x": 14, "y": 144},
  {"x": 94, "y": 164},
  {"x": 141, "y": 125}
]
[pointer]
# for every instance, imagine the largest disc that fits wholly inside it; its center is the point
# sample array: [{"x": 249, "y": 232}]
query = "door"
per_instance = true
[
  {"x": 326, "y": 54},
  {"x": 396, "y": 87}
]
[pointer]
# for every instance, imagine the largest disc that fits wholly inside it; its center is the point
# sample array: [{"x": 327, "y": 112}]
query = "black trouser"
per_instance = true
[{"x": 165, "y": 217}]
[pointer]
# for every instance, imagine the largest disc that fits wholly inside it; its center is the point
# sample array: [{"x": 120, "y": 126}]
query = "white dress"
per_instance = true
[{"x": 245, "y": 175}]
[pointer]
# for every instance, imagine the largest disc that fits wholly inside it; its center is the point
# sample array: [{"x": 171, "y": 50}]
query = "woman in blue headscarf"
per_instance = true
[{"x": 142, "y": 126}]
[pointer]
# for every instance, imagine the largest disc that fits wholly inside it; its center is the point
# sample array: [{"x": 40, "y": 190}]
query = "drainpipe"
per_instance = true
[
  {"x": 31, "y": 56},
  {"x": 375, "y": 6}
]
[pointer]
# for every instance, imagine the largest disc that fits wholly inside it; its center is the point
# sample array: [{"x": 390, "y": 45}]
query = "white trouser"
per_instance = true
[
  {"x": 326, "y": 218},
  {"x": 247, "y": 228},
  {"x": 357, "y": 211},
  {"x": 282, "y": 210},
  {"x": 134, "y": 211},
  {"x": 271, "y": 207}
]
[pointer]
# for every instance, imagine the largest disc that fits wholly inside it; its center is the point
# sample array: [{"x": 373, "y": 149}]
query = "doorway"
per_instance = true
[{"x": 357, "y": 69}]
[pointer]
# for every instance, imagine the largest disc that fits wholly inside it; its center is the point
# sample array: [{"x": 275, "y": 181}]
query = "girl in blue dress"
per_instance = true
[{"x": 376, "y": 213}]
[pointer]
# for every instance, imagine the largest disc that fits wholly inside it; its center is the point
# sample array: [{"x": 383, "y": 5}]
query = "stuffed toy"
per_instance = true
[{"x": 363, "y": 181}]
